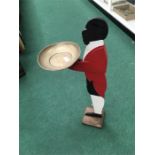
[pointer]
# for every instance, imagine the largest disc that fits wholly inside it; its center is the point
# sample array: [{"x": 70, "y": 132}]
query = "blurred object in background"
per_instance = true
[
  {"x": 131, "y": 1},
  {"x": 21, "y": 43},
  {"x": 21, "y": 71},
  {"x": 124, "y": 9},
  {"x": 21, "y": 49}
]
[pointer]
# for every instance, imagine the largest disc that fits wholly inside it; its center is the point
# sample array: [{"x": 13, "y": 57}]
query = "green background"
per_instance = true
[{"x": 52, "y": 103}]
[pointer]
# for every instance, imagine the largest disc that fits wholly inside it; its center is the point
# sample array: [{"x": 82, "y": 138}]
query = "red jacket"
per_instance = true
[{"x": 94, "y": 66}]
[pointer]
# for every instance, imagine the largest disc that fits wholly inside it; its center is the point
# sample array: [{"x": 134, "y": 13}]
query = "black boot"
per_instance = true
[{"x": 92, "y": 114}]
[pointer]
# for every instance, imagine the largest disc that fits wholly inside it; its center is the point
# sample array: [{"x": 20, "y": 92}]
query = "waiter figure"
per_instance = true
[{"x": 94, "y": 65}]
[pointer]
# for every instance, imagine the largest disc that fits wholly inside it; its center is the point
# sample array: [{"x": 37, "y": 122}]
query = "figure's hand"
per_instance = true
[{"x": 77, "y": 62}]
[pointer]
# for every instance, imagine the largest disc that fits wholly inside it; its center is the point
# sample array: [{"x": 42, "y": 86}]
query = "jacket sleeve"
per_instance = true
[
  {"x": 79, "y": 65},
  {"x": 96, "y": 63},
  {"x": 85, "y": 66}
]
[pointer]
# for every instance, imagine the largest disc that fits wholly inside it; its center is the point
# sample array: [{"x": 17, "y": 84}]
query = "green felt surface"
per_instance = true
[{"x": 52, "y": 103}]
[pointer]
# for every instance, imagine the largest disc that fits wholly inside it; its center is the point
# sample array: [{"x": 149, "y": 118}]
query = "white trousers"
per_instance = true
[{"x": 98, "y": 103}]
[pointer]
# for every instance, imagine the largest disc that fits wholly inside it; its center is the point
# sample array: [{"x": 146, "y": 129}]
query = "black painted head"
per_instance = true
[{"x": 96, "y": 29}]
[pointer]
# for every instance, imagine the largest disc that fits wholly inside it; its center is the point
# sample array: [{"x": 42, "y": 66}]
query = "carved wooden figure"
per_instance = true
[{"x": 94, "y": 65}]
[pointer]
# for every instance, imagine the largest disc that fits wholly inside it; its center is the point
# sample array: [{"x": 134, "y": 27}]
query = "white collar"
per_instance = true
[{"x": 92, "y": 45}]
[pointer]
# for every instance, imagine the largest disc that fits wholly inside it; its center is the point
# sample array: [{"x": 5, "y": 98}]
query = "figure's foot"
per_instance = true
[
  {"x": 92, "y": 119},
  {"x": 92, "y": 114}
]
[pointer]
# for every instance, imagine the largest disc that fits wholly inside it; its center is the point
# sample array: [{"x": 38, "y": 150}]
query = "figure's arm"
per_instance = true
[
  {"x": 79, "y": 65},
  {"x": 86, "y": 66}
]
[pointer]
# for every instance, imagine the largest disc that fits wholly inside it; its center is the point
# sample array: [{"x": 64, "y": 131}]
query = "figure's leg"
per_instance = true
[
  {"x": 98, "y": 103},
  {"x": 94, "y": 115}
]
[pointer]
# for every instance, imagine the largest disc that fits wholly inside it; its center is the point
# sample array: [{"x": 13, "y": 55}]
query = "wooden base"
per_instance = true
[{"x": 92, "y": 121}]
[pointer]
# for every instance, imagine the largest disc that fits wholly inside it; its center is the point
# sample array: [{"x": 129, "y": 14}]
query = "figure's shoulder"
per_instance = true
[
  {"x": 99, "y": 49},
  {"x": 97, "y": 53}
]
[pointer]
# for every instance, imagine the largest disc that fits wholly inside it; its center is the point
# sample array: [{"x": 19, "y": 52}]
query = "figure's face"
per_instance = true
[
  {"x": 95, "y": 29},
  {"x": 85, "y": 36}
]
